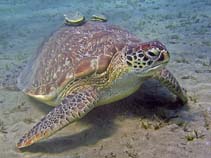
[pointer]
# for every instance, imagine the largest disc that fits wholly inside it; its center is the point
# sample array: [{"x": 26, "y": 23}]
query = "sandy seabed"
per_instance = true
[{"x": 148, "y": 124}]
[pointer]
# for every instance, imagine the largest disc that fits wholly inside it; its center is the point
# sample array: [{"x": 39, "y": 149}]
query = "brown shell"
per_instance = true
[{"x": 73, "y": 52}]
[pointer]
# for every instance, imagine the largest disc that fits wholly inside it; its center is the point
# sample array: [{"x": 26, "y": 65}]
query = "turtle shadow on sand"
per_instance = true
[{"x": 145, "y": 103}]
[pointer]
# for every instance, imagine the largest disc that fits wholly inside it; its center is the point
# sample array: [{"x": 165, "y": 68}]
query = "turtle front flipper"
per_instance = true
[
  {"x": 73, "y": 107},
  {"x": 168, "y": 80}
]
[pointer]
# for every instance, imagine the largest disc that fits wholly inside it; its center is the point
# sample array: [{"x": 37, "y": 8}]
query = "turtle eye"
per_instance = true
[{"x": 151, "y": 54}]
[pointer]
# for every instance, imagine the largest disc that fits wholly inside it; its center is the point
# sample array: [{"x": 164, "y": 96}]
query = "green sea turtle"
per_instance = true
[{"x": 80, "y": 68}]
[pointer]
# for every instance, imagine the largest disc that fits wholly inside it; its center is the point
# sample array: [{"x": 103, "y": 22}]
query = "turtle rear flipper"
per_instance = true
[
  {"x": 168, "y": 80},
  {"x": 73, "y": 107}
]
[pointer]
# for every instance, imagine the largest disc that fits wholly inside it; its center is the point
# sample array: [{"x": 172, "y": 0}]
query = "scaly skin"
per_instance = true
[
  {"x": 167, "y": 79},
  {"x": 73, "y": 107}
]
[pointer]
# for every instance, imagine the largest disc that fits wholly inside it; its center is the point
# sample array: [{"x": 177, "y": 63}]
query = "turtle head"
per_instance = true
[{"x": 147, "y": 58}]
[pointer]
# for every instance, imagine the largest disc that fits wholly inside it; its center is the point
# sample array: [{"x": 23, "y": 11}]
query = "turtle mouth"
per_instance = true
[
  {"x": 152, "y": 69},
  {"x": 157, "y": 66},
  {"x": 160, "y": 64}
]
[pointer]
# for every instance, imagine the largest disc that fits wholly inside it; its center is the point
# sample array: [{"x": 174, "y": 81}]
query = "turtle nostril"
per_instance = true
[{"x": 161, "y": 57}]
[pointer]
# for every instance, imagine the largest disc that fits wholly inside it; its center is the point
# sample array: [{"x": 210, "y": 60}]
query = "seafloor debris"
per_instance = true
[
  {"x": 3, "y": 128},
  {"x": 194, "y": 135},
  {"x": 207, "y": 119}
]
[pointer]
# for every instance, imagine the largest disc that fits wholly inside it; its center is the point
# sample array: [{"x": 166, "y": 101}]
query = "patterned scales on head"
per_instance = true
[{"x": 72, "y": 53}]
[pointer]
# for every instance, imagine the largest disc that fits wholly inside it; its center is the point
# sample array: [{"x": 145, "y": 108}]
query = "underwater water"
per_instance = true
[{"x": 139, "y": 126}]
